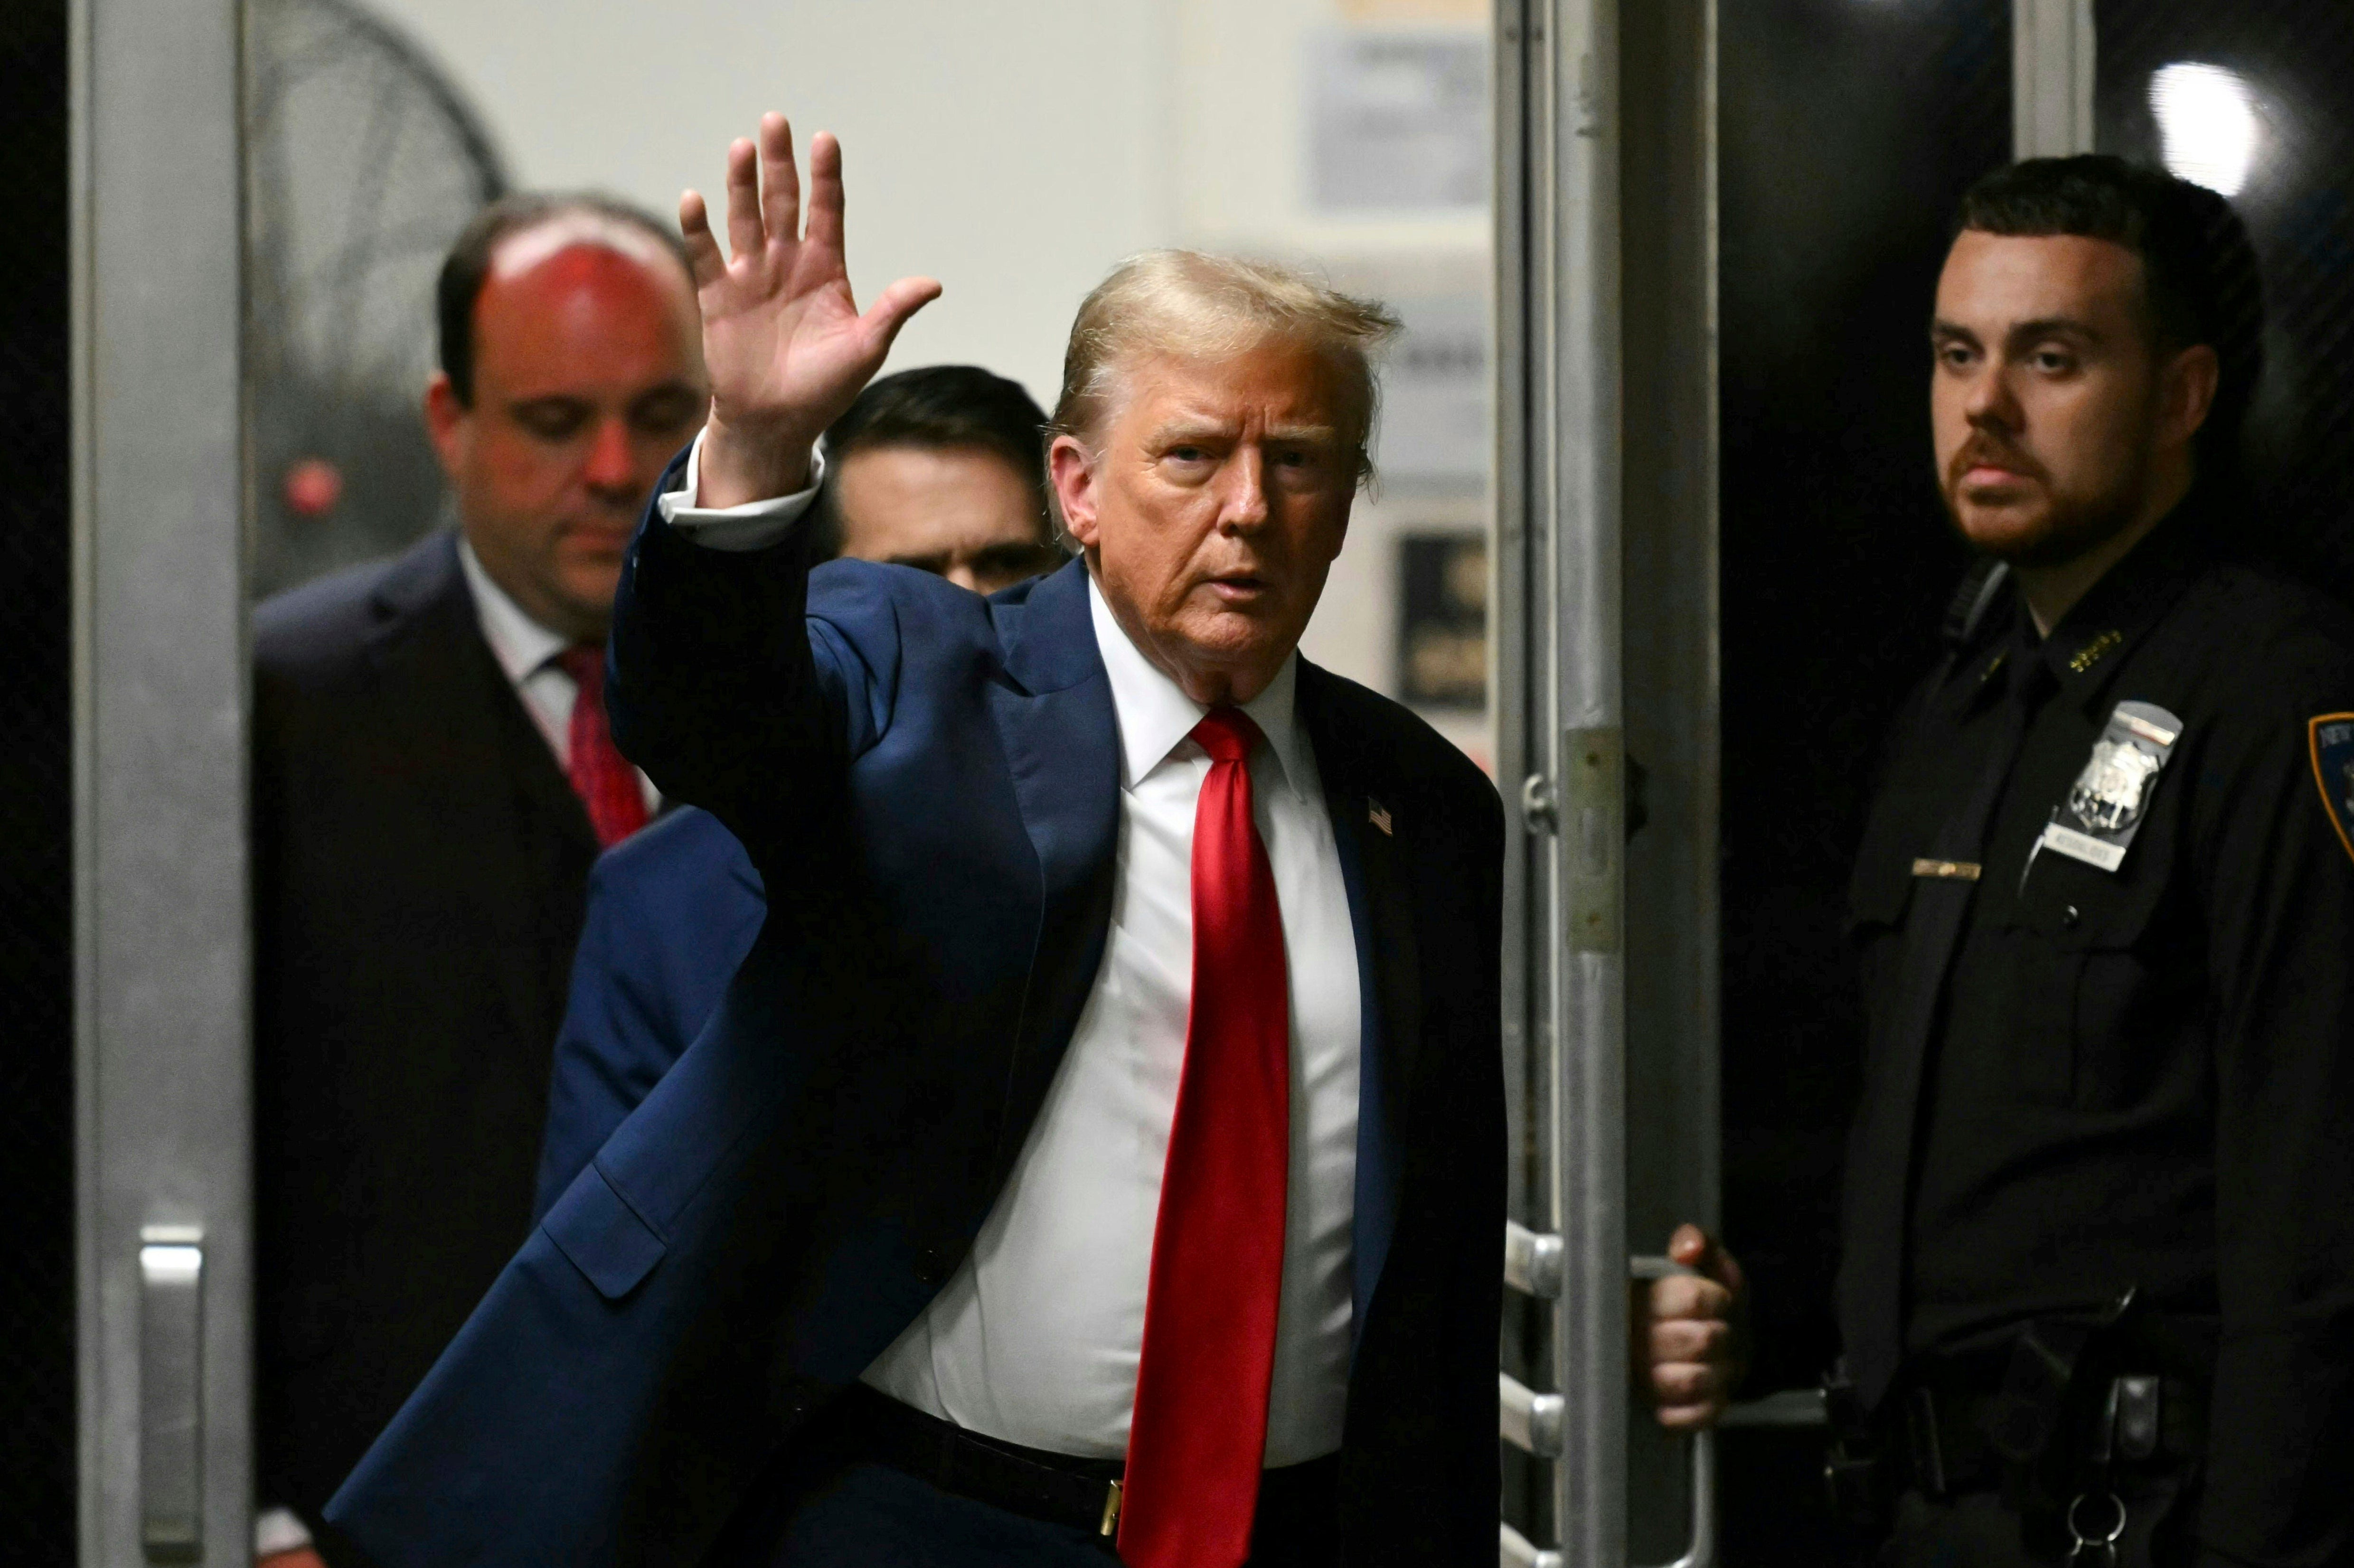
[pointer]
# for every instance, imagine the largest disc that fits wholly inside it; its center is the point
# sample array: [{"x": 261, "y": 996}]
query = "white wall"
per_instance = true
[
  {"x": 995, "y": 147},
  {"x": 1012, "y": 149}
]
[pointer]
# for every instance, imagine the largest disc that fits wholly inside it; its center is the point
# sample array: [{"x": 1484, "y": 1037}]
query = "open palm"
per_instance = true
[{"x": 785, "y": 343}]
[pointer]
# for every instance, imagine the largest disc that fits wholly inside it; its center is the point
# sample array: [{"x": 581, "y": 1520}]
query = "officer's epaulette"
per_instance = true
[{"x": 1980, "y": 590}]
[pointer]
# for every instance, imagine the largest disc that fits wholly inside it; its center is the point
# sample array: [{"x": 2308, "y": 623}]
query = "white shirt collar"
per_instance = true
[
  {"x": 522, "y": 645},
  {"x": 1155, "y": 715}
]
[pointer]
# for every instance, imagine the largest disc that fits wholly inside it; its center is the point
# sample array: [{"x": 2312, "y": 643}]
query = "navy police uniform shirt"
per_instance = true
[{"x": 2104, "y": 912}]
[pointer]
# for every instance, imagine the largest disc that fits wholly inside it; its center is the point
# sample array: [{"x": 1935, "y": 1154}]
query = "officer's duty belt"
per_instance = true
[{"x": 1938, "y": 1427}]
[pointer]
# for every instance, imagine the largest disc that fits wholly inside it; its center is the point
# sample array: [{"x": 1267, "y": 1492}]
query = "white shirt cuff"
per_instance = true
[
  {"x": 755, "y": 526},
  {"x": 277, "y": 1529}
]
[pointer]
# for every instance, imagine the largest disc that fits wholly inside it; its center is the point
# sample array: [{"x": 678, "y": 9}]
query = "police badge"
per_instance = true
[
  {"x": 2332, "y": 742},
  {"x": 2105, "y": 806}
]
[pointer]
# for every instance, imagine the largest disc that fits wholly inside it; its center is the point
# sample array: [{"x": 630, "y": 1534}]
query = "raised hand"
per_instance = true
[{"x": 784, "y": 343}]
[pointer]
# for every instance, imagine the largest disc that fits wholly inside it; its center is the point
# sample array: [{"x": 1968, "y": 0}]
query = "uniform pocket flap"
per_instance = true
[
  {"x": 2081, "y": 908},
  {"x": 594, "y": 1226}
]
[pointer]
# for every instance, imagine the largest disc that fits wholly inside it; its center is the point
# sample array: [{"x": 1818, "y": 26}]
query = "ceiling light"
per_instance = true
[{"x": 2207, "y": 120}]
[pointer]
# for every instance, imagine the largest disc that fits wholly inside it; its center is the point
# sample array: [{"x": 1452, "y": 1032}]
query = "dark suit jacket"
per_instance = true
[
  {"x": 928, "y": 782},
  {"x": 672, "y": 912},
  {"x": 419, "y": 872}
]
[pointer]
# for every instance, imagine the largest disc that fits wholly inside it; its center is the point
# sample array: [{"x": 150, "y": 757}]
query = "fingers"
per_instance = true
[
  {"x": 1680, "y": 1384},
  {"x": 1689, "y": 1295},
  {"x": 780, "y": 181},
  {"x": 1690, "y": 1418},
  {"x": 825, "y": 194},
  {"x": 892, "y": 306},
  {"x": 704, "y": 261},
  {"x": 745, "y": 234},
  {"x": 1691, "y": 1339},
  {"x": 1695, "y": 1248}
]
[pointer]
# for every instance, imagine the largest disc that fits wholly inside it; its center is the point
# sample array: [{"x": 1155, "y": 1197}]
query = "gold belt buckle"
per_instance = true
[{"x": 1111, "y": 1510}]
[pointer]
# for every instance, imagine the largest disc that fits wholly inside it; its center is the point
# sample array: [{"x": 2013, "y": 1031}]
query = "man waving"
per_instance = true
[{"x": 1103, "y": 1147}]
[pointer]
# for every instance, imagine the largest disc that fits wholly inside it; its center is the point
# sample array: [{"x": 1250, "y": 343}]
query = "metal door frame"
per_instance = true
[
  {"x": 162, "y": 1050},
  {"x": 1606, "y": 702},
  {"x": 1607, "y": 654}
]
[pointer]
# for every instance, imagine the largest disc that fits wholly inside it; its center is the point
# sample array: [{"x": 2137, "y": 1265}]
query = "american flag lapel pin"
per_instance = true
[{"x": 1377, "y": 814}]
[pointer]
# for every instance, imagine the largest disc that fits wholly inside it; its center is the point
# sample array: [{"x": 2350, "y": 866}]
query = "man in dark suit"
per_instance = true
[
  {"x": 433, "y": 778},
  {"x": 1104, "y": 1140},
  {"x": 938, "y": 469}
]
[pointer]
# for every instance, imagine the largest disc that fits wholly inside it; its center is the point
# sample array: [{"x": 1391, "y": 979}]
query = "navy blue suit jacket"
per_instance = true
[
  {"x": 672, "y": 912},
  {"x": 928, "y": 782}
]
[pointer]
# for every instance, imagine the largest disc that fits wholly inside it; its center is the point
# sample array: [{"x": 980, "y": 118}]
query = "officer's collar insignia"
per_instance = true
[
  {"x": 2098, "y": 648},
  {"x": 2105, "y": 808},
  {"x": 2332, "y": 742}
]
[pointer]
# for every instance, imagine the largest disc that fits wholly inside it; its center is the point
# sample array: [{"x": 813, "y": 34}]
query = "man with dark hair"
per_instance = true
[
  {"x": 432, "y": 779},
  {"x": 940, "y": 468},
  {"x": 2098, "y": 1286},
  {"x": 943, "y": 469}
]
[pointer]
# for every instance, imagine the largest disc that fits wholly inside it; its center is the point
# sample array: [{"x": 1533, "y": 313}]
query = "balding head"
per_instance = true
[
  {"x": 571, "y": 375},
  {"x": 517, "y": 232}
]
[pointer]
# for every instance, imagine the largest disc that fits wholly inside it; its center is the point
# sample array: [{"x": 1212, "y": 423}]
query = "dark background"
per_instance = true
[
  {"x": 36, "y": 1121},
  {"x": 1847, "y": 133},
  {"x": 2298, "y": 56}
]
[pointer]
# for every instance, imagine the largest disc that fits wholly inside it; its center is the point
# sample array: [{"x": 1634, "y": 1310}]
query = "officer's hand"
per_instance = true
[{"x": 1697, "y": 1333}]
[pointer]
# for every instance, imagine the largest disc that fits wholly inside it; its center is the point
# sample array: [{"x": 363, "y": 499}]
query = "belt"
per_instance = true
[
  {"x": 1055, "y": 1489},
  {"x": 1940, "y": 1431}
]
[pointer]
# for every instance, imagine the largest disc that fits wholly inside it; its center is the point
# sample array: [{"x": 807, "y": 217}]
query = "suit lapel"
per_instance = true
[
  {"x": 1365, "y": 823},
  {"x": 1054, "y": 715},
  {"x": 534, "y": 838},
  {"x": 423, "y": 605}
]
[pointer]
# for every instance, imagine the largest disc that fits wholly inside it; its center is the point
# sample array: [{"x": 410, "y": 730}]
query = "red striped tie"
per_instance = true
[
  {"x": 601, "y": 776},
  {"x": 1199, "y": 1433}
]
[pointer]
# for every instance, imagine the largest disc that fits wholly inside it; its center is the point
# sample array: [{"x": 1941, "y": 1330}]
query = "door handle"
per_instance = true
[
  {"x": 1515, "y": 1550},
  {"x": 1700, "y": 1551},
  {"x": 171, "y": 1392}
]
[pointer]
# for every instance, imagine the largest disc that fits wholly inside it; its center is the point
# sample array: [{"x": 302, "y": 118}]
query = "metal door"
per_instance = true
[
  {"x": 1607, "y": 685},
  {"x": 159, "y": 615},
  {"x": 1606, "y": 648}
]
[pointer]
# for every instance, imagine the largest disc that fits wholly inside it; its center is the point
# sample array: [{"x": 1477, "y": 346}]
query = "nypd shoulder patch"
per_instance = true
[{"x": 2332, "y": 740}]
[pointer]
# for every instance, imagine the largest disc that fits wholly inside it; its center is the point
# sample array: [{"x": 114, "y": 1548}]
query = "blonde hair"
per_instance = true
[{"x": 1196, "y": 306}]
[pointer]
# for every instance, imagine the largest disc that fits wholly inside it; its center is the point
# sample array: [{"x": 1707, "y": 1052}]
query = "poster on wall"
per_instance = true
[
  {"x": 1442, "y": 619},
  {"x": 1397, "y": 120},
  {"x": 1435, "y": 430}
]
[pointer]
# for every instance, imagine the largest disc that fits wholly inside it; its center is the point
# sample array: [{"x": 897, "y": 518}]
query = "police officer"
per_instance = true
[{"x": 2098, "y": 1286}]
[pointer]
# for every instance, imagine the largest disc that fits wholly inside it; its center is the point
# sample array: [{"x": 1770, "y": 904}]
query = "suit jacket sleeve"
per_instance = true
[
  {"x": 672, "y": 914},
  {"x": 2279, "y": 887},
  {"x": 727, "y": 694},
  {"x": 618, "y": 1037}
]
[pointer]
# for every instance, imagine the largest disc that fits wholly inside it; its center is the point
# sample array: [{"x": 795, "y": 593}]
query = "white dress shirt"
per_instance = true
[
  {"x": 1035, "y": 1339},
  {"x": 528, "y": 653}
]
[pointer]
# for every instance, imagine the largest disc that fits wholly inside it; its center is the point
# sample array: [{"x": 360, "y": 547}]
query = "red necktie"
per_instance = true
[
  {"x": 601, "y": 776},
  {"x": 1199, "y": 1433}
]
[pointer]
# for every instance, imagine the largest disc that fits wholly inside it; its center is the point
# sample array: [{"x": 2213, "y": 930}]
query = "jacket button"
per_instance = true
[{"x": 2069, "y": 917}]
